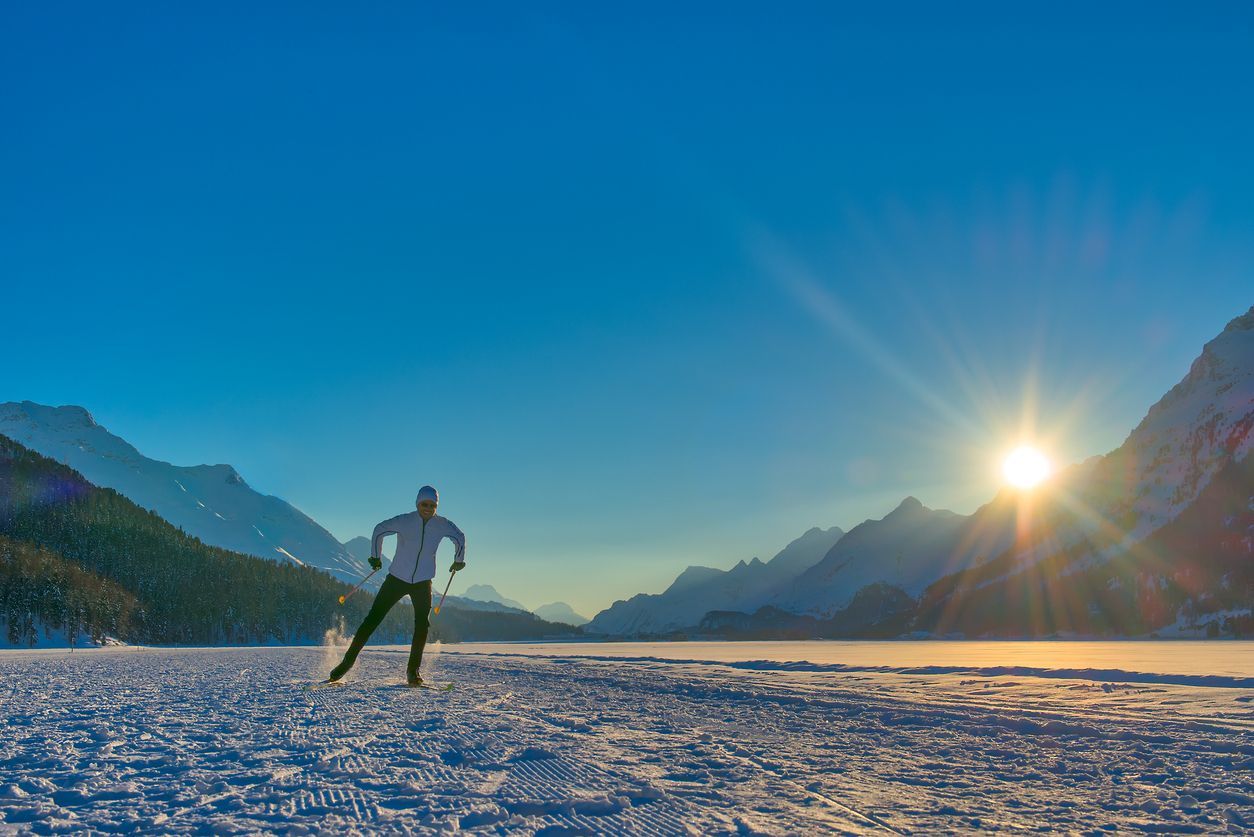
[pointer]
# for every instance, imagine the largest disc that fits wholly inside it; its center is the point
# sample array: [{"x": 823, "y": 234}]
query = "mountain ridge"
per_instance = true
[
  {"x": 212, "y": 502},
  {"x": 683, "y": 602},
  {"x": 1106, "y": 522}
]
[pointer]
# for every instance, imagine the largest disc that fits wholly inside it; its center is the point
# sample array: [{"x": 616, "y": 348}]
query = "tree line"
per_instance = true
[{"x": 80, "y": 556}]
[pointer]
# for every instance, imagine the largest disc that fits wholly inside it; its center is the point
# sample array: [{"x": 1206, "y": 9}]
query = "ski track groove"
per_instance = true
[{"x": 227, "y": 740}]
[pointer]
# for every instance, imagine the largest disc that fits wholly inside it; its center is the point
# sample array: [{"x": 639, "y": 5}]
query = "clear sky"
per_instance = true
[{"x": 636, "y": 289}]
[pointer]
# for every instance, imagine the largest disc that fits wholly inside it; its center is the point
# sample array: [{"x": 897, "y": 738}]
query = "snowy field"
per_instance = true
[{"x": 658, "y": 739}]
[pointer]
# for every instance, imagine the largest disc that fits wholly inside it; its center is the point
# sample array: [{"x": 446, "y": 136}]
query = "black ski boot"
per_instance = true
[
  {"x": 339, "y": 671},
  {"x": 413, "y": 680}
]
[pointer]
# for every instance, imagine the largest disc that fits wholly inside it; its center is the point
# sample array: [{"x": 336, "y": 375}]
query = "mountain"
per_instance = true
[
  {"x": 359, "y": 548},
  {"x": 488, "y": 593},
  {"x": 480, "y": 605},
  {"x": 560, "y": 612},
  {"x": 211, "y": 502},
  {"x": 1154, "y": 536},
  {"x": 877, "y": 611},
  {"x": 698, "y": 590},
  {"x": 909, "y": 548},
  {"x": 146, "y": 580},
  {"x": 80, "y": 561}
]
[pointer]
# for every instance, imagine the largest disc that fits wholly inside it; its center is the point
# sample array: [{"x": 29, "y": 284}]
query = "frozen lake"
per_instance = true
[
  {"x": 1183, "y": 658},
  {"x": 774, "y": 738}
]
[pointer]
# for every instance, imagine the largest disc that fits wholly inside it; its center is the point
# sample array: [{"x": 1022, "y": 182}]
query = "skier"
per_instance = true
[{"x": 418, "y": 533}]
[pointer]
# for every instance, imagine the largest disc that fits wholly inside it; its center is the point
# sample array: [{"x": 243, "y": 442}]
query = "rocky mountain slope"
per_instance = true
[
  {"x": 210, "y": 502},
  {"x": 1154, "y": 537}
]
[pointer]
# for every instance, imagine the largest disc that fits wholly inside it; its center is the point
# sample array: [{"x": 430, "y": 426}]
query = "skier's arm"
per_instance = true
[
  {"x": 387, "y": 527},
  {"x": 459, "y": 542}
]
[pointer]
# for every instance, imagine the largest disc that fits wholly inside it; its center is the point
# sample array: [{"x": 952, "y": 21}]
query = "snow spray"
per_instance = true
[
  {"x": 431, "y": 660},
  {"x": 334, "y": 641}
]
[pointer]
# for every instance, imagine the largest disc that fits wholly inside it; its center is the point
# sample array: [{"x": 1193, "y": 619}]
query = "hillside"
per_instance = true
[
  {"x": 43, "y": 594},
  {"x": 211, "y": 502},
  {"x": 169, "y": 587}
]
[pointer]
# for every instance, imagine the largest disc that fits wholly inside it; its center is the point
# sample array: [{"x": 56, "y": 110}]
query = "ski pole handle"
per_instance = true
[
  {"x": 346, "y": 596},
  {"x": 445, "y": 593}
]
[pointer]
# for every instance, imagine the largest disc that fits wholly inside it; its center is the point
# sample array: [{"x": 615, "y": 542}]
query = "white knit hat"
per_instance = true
[{"x": 427, "y": 493}]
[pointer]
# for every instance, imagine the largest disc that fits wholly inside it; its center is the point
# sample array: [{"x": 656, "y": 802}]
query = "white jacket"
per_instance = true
[{"x": 416, "y": 542}]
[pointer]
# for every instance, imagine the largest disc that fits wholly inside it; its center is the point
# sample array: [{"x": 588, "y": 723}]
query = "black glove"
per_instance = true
[
  {"x": 376, "y": 562},
  {"x": 458, "y": 565}
]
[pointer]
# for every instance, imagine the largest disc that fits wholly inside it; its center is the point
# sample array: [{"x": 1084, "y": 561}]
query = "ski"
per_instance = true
[{"x": 335, "y": 684}]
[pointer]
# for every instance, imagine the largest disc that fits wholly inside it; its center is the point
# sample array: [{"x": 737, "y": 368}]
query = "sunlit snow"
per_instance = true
[
  {"x": 283, "y": 551},
  {"x": 578, "y": 740}
]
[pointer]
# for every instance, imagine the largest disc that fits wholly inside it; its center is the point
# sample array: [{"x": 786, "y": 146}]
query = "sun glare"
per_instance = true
[{"x": 1025, "y": 467}]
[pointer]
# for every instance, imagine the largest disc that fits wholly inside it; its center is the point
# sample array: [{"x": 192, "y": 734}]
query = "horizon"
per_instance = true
[
  {"x": 461, "y": 589},
  {"x": 694, "y": 285}
]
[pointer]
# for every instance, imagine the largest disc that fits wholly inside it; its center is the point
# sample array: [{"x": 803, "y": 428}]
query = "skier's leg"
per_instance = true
[
  {"x": 420, "y": 595},
  {"x": 389, "y": 594}
]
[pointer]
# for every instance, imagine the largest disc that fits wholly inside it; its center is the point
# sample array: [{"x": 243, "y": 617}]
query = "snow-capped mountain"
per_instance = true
[
  {"x": 1154, "y": 536},
  {"x": 698, "y": 590},
  {"x": 488, "y": 593},
  {"x": 1193, "y": 432},
  {"x": 212, "y": 502},
  {"x": 359, "y": 548},
  {"x": 560, "y": 612},
  {"x": 909, "y": 548},
  {"x": 1103, "y": 550}
]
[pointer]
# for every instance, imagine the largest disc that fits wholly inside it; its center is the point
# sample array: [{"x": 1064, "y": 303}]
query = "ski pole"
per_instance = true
[
  {"x": 445, "y": 593},
  {"x": 344, "y": 597}
]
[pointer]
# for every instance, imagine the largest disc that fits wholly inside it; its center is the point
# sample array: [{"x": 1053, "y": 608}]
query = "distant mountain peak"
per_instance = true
[
  {"x": 488, "y": 593},
  {"x": 909, "y": 505},
  {"x": 698, "y": 590},
  {"x": 560, "y": 612},
  {"x": 358, "y": 547},
  {"x": 67, "y": 415},
  {"x": 223, "y": 472},
  {"x": 76, "y": 414},
  {"x": 694, "y": 572},
  {"x": 231, "y": 476},
  {"x": 1245, "y": 322}
]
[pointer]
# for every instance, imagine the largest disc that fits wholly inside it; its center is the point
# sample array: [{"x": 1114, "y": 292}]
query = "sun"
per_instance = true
[{"x": 1025, "y": 467}]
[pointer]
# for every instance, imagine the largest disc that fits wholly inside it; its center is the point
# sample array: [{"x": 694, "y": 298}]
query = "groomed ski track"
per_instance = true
[{"x": 227, "y": 740}]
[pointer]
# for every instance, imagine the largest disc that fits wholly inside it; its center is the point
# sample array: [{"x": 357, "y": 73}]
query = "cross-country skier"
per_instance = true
[{"x": 418, "y": 533}]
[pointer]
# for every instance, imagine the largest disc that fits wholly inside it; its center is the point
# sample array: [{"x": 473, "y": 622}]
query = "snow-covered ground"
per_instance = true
[{"x": 572, "y": 740}]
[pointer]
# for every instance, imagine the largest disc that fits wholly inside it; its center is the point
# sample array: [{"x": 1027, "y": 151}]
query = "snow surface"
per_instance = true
[{"x": 560, "y": 740}]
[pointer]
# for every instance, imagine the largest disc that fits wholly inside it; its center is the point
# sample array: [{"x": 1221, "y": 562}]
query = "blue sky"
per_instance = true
[{"x": 634, "y": 289}]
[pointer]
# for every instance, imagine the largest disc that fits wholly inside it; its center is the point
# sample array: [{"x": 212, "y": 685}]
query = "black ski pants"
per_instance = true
[{"x": 392, "y": 591}]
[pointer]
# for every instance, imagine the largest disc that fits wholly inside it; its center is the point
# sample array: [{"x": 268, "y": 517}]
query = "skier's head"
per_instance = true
[{"x": 428, "y": 498}]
